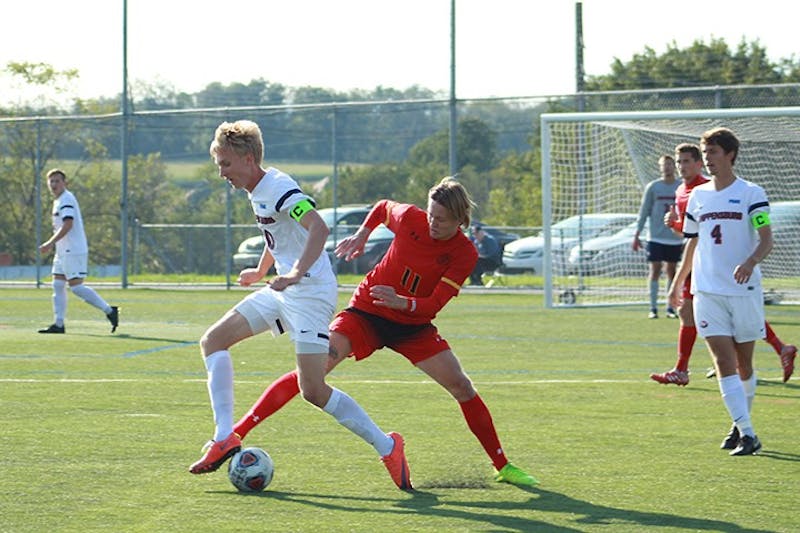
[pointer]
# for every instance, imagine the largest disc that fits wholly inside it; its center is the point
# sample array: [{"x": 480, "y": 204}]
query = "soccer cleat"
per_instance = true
[
  {"x": 216, "y": 453},
  {"x": 788, "y": 353},
  {"x": 113, "y": 317},
  {"x": 52, "y": 328},
  {"x": 515, "y": 476},
  {"x": 711, "y": 373},
  {"x": 652, "y": 314},
  {"x": 674, "y": 377},
  {"x": 671, "y": 313},
  {"x": 396, "y": 463},
  {"x": 747, "y": 446},
  {"x": 731, "y": 440}
]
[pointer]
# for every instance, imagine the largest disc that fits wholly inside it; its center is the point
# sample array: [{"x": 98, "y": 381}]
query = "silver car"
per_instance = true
[{"x": 525, "y": 255}]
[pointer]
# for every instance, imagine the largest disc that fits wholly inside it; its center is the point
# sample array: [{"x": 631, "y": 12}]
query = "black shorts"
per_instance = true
[{"x": 668, "y": 253}]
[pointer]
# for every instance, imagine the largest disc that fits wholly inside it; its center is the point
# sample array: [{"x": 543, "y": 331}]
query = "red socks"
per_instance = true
[
  {"x": 276, "y": 396},
  {"x": 686, "y": 337},
  {"x": 772, "y": 338},
  {"x": 480, "y": 422}
]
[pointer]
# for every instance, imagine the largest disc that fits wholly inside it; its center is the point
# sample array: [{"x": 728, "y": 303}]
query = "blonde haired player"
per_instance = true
[{"x": 299, "y": 300}]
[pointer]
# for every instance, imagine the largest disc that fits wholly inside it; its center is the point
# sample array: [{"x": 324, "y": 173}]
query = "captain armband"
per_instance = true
[
  {"x": 760, "y": 220},
  {"x": 300, "y": 209}
]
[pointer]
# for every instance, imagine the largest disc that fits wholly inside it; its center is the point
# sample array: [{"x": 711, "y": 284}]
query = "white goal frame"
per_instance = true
[{"x": 708, "y": 118}]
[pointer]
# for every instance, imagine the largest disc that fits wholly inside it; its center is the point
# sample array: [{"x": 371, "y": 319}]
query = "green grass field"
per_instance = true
[{"x": 99, "y": 429}]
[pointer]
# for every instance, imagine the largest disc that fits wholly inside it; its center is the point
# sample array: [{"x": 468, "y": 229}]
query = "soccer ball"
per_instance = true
[{"x": 251, "y": 470}]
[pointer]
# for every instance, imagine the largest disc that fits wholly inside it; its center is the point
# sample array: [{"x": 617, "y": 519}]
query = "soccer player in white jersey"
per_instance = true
[
  {"x": 300, "y": 300},
  {"x": 728, "y": 233},
  {"x": 71, "y": 260}
]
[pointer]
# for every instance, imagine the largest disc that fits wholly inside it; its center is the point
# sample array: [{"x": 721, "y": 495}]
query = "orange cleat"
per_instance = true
[
  {"x": 217, "y": 452},
  {"x": 396, "y": 463},
  {"x": 788, "y": 353}
]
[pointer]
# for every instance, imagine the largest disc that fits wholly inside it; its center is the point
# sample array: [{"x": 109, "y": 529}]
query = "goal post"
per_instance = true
[{"x": 600, "y": 162}]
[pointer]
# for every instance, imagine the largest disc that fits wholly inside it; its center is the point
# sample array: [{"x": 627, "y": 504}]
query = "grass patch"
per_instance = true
[{"x": 99, "y": 429}]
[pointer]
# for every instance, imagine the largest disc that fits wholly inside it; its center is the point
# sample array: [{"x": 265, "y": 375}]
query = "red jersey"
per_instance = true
[
  {"x": 682, "y": 198},
  {"x": 428, "y": 271}
]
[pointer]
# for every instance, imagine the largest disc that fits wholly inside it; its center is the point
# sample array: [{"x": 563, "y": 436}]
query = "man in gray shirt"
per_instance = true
[{"x": 663, "y": 246}]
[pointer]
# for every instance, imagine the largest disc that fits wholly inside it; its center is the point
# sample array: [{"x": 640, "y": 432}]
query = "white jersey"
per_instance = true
[
  {"x": 74, "y": 242},
  {"x": 721, "y": 221},
  {"x": 272, "y": 201}
]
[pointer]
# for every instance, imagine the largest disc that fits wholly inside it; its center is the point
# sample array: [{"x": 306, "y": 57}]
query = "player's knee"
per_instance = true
[{"x": 314, "y": 395}]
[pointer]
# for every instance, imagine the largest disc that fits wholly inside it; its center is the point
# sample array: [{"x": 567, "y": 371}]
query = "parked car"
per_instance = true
[
  {"x": 526, "y": 254},
  {"x": 348, "y": 219},
  {"x": 610, "y": 255}
]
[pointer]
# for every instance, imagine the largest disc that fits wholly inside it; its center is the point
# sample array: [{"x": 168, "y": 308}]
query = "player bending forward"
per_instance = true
[{"x": 393, "y": 306}]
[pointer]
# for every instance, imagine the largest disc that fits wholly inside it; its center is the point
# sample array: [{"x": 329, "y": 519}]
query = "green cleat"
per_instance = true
[{"x": 515, "y": 476}]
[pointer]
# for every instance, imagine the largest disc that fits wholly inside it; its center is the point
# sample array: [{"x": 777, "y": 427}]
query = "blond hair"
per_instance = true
[
  {"x": 451, "y": 194},
  {"x": 243, "y": 137}
]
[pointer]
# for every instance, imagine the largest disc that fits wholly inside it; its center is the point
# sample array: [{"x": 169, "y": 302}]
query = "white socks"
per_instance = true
[
  {"x": 654, "y": 294},
  {"x": 88, "y": 295},
  {"x": 735, "y": 399},
  {"x": 750, "y": 390},
  {"x": 352, "y": 416},
  {"x": 59, "y": 300},
  {"x": 220, "y": 391}
]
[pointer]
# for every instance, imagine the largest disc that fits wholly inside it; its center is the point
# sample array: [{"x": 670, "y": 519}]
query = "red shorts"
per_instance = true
[{"x": 368, "y": 332}]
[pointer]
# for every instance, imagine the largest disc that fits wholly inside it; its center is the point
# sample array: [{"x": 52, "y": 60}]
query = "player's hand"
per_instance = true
[
  {"x": 743, "y": 272},
  {"x": 248, "y": 276},
  {"x": 635, "y": 245},
  {"x": 45, "y": 248},
  {"x": 386, "y": 296},
  {"x": 670, "y": 217},
  {"x": 353, "y": 246},
  {"x": 675, "y": 296}
]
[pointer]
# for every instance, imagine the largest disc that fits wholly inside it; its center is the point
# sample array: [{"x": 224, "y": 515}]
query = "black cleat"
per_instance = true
[
  {"x": 53, "y": 329},
  {"x": 747, "y": 446},
  {"x": 731, "y": 440},
  {"x": 113, "y": 317}
]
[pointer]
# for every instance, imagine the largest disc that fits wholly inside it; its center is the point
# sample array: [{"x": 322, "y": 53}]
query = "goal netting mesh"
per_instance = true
[{"x": 601, "y": 163}]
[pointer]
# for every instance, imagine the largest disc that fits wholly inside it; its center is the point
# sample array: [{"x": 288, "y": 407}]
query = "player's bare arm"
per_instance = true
[
  {"x": 353, "y": 246},
  {"x": 317, "y": 235}
]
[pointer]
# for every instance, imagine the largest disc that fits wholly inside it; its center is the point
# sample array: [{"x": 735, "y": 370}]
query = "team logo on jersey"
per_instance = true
[
  {"x": 703, "y": 324},
  {"x": 734, "y": 201},
  {"x": 444, "y": 259}
]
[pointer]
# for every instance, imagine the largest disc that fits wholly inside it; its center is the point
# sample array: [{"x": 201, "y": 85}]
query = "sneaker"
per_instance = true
[
  {"x": 731, "y": 440},
  {"x": 515, "y": 476},
  {"x": 52, "y": 328},
  {"x": 671, "y": 313},
  {"x": 652, "y": 314},
  {"x": 747, "y": 446},
  {"x": 216, "y": 453},
  {"x": 113, "y": 317},
  {"x": 788, "y": 353},
  {"x": 711, "y": 373},
  {"x": 396, "y": 463},
  {"x": 674, "y": 377}
]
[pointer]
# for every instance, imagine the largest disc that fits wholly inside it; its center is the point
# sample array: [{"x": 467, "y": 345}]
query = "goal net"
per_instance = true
[{"x": 601, "y": 162}]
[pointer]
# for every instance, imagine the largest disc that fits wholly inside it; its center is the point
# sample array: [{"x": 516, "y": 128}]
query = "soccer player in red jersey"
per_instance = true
[
  {"x": 690, "y": 167},
  {"x": 394, "y": 305}
]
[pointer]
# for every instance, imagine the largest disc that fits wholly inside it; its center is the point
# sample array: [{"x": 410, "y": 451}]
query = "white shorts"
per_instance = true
[
  {"x": 740, "y": 317},
  {"x": 71, "y": 266},
  {"x": 303, "y": 310}
]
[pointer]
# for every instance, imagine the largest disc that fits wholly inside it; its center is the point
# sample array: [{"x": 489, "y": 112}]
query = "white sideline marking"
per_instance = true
[{"x": 359, "y": 381}]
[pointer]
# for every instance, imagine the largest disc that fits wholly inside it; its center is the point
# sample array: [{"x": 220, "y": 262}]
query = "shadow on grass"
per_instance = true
[{"x": 505, "y": 514}]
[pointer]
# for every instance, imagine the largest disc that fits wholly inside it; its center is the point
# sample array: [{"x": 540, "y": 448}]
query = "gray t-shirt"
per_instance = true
[{"x": 658, "y": 197}]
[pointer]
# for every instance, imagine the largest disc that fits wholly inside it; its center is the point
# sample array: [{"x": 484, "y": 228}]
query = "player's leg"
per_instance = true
[
  {"x": 214, "y": 346},
  {"x": 59, "y": 284},
  {"x": 653, "y": 279},
  {"x": 446, "y": 370},
  {"x": 687, "y": 334},
  {"x": 285, "y": 388},
  {"x": 786, "y": 352},
  {"x": 670, "y": 269}
]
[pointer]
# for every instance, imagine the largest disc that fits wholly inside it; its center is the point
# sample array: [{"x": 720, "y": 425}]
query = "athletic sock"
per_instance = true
[
  {"x": 479, "y": 420},
  {"x": 220, "y": 391},
  {"x": 352, "y": 416},
  {"x": 735, "y": 400},
  {"x": 59, "y": 301},
  {"x": 686, "y": 337},
  {"x": 654, "y": 295},
  {"x": 773, "y": 339},
  {"x": 276, "y": 396},
  {"x": 749, "y": 385},
  {"x": 88, "y": 295}
]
